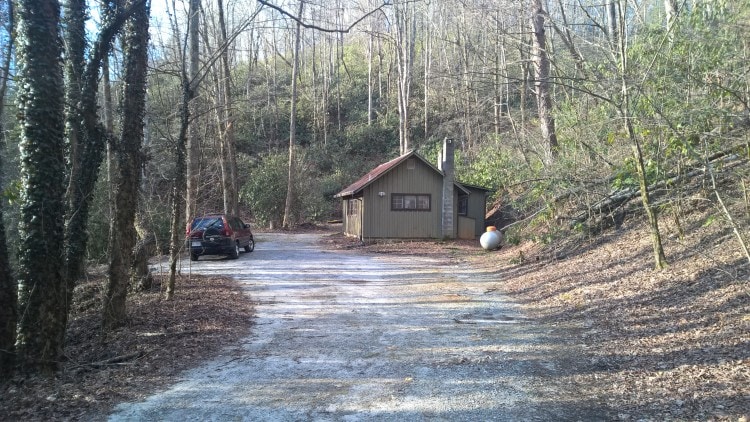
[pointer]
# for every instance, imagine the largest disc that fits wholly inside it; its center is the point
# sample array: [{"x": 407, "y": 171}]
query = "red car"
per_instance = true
[{"x": 219, "y": 234}]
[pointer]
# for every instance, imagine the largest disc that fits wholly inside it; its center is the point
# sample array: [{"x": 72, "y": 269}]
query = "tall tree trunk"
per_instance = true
[
  {"x": 274, "y": 95},
  {"x": 75, "y": 137},
  {"x": 193, "y": 137},
  {"x": 145, "y": 247},
  {"x": 178, "y": 189},
  {"x": 91, "y": 149},
  {"x": 427, "y": 69},
  {"x": 660, "y": 260},
  {"x": 140, "y": 274},
  {"x": 612, "y": 26},
  {"x": 406, "y": 32},
  {"x": 670, "y": 9},
  {"x": 227, "y": 126},
  {"x": 128, "y": 155},
  {"x": 75, "y": 66},
  {"x": 221, "y": 122},
  {"x": 109, "y": 125},
  {"x": 369, "y": 78},
  {"x": 183, "y": 149},
  {"x": 541, "y": 79},
  {"x": 290, "y": 204},
  {"x": 523, "y": 53},
  {"x": 40, "y": 100},
  {"x": 327, "y": 66},
  {"x": 337, "y": 68},
  {"x": 8, "y": 286}
]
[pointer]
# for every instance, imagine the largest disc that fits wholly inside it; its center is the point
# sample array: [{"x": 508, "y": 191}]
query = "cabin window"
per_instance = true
[
  {"x": 463, "y": 205},
  {"x": 410, "y": 202},
  {"x": 352, "y": 207}
]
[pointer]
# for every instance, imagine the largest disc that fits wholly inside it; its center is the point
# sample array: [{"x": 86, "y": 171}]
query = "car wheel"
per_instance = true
[
  {"x": 250, "y": 246},
  {"x": 194, "y": 257},
  {"x": 235, "y": 252}
]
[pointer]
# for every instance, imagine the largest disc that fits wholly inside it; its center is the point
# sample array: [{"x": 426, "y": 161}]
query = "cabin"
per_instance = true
[{"x": 409, "y": 198}]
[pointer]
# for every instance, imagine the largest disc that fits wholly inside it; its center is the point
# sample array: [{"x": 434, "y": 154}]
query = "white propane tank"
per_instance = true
[{"x": 491, "y": 239}]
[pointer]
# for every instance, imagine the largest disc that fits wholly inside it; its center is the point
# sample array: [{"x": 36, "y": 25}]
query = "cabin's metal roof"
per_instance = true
[
  {"x": 477, "y": 187},
  {"x": 384, "y": 168},
  {"x": 375, "y": 174}
]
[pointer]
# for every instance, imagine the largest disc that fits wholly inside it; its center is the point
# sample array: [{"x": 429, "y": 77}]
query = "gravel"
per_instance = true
[{"x": 340, "y": 335}]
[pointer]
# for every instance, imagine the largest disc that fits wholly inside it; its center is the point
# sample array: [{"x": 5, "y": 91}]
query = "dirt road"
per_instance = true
[{"x": 345, "y": 336}]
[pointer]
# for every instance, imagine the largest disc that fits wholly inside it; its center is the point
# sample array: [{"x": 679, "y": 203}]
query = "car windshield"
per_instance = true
[{"x": 206, "y": 222}]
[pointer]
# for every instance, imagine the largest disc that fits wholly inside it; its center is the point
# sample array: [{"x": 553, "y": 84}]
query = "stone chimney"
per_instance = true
[{"x": 445, "y": 164}]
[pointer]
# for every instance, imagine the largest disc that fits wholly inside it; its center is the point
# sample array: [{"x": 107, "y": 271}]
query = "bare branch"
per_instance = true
[{"x": 299, "y": 20}]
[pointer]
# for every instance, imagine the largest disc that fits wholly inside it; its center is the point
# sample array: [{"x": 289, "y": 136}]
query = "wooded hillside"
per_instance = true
[{"x": 580, "y": 114}]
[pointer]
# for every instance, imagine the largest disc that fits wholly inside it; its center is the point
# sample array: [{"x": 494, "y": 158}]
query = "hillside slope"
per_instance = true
[{"x": 659, "y": 345}]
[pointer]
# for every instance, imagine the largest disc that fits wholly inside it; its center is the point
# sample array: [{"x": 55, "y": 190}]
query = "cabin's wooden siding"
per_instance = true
[
  {"x": 379, "y": 221},
  {"x": 466, "y": 228},
  {"x": 477, "y": 208}
]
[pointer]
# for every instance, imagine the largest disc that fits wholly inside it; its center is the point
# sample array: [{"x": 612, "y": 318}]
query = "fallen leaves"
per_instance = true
[{"x": 161, "y": 339}]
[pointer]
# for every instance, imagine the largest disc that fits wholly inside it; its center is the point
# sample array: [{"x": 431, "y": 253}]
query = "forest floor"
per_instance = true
[
  {"x": 161, "y": 340},
  {"x": 656, "y": 345}
]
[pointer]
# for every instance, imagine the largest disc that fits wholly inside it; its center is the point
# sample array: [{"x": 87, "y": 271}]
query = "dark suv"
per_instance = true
[{"x": 219, "y": 234}]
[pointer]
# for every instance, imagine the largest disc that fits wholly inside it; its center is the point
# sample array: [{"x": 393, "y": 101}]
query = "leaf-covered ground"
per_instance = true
[
  {"x": 656, "y": 345},
  {"x": 161, "y": 339}
]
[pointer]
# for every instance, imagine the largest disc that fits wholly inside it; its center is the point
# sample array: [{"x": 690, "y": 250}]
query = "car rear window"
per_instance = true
[{"x": 207, "y": 222}]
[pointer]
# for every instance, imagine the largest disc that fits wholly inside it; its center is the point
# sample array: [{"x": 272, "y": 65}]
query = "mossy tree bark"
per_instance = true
[
  {"x": 8, "y": 287},
  {"x": 128, "y": 156},
  {"x": 85, "y": 160},
  {"x": 40, "y": 256}
]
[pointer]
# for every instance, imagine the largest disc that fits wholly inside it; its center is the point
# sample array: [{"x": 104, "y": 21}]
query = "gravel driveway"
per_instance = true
[{"x": 345, "y": 336}]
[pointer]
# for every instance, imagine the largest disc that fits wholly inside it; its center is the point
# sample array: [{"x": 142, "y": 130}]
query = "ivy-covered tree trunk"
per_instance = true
[
  {"x": 40, "y": 256},
  {"x": 84, "y": 165},
  {"x": 74, "y": 20},
  {"x": 128, "y": 156},
  {"x": 178, "y": 190},
  {"x": 8, "y": 302},
  {"x": 8, "y": 287}
]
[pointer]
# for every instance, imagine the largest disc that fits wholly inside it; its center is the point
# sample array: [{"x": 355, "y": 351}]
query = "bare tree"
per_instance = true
[
  {"x": 406, "y": 34},
  {"x": 624, "y": 110},
  {"x": 186, "y": 147},
  {"x": 193, "y": 137},
  {"x": 541, "y": 61},
  {"x": 226, "y": 121},
  {"x": 289, "y": 210}
]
